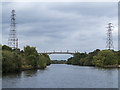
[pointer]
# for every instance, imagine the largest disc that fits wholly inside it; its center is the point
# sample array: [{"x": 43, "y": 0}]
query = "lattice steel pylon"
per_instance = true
[
  {"x": 109, "y": 41},
  {"x": 13, "y": 40}
]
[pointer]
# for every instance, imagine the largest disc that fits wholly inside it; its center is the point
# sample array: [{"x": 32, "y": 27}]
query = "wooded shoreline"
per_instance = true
[
  {"x": 29, "y": 59},
  {"x": 97, "y": 58},
  {"x": 14, "y": 61}
]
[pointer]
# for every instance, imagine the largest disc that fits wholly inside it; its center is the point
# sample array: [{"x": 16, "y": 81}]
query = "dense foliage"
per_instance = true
[
  {"x": 105, "y": 57},
  {"x": 96, "y": 58},
  {"x": 11, "y": 62},
  {"x": 58, "y": 61},
  {"x": 16, "y": 60}
]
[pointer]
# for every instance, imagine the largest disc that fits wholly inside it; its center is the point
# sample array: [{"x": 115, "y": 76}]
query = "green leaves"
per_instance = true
[
  {"x": 34, "y": 59},
  {"x": 76, "y": 59},
  {"x": 30, "y": 51},
  {"x": 11, "y": 62},
  {"x": 15, "y": 60},
  {"x": 42, "y": 62},
  {"x": 4, "y": 47},
  {"x": 96, "y": 58},
  {"x": 105, "y": 57}
]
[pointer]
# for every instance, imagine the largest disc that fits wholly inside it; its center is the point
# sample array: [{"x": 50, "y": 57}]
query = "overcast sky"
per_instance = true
[{"x": 61, "y": 26}]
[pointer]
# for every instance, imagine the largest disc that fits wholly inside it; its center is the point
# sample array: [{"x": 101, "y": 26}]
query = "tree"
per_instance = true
[
  {"x": 48, "y": 61},
  {"x": 77, "y": 57},
  {"x": 5, "y": 47},
  {"x": 118, "y": 54},
  {"x": 69, "y": 61},
  {"x": 30, "y": 51},
  {"x": 105, "y": 57},
  {"x": 42, "y": 62},
  {"x": 15, "y": 60},
  {"x": 32, "y": 60},
  {"x": 31, "y": 56},
  {"x": 11, "y": 62}
]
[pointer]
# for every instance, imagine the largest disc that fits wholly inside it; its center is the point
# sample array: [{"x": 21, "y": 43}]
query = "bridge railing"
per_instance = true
[{"x": 58, "y": 52}]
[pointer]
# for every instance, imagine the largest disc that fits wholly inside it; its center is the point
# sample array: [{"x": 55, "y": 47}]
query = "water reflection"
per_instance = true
[
  {"x": 11, "y": 75},
  {"x": 106, "y": 68},
  {"x": 29, "y": 73},
  {"x": 64, "y": 76}
]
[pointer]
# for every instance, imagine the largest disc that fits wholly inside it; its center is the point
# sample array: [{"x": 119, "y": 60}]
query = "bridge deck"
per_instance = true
[{"x": 57, "y": 53}]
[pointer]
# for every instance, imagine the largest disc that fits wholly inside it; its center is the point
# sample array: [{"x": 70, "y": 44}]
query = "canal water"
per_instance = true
[{"x": 63, "y": 76}]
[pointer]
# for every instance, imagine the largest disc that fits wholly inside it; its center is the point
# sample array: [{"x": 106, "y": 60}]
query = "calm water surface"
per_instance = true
[{"x": 63, "y": 76}]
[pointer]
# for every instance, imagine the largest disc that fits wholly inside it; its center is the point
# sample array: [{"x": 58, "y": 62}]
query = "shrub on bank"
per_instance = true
[
  {"x": 96, "y": 58},
  {"x": 11, "y": 62},
  {"x": 16, "y": 60},
  {"x": 105, "y": 57}
]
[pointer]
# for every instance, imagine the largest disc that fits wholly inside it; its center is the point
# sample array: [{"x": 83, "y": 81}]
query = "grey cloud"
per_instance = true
[{"x": 61, "y": 26}]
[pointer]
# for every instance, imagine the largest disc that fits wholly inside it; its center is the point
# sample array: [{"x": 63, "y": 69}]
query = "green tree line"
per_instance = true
[
  {"x": 58, "y": 61},
  {"x": 96, "y": 58},
  {"x": 17, "y": 60}
]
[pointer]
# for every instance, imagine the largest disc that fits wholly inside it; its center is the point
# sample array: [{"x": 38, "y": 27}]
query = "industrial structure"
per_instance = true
[
  {"x": 109, "y": 41},
  {"x": 13, "y": 40}
]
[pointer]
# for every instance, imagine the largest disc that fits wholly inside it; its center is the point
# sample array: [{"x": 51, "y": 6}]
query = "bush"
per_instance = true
[
  {"x": 96, "y": 58},
  {"x": 11, "y": 62},
  {"x": 15, "y": 60},
  {"x": 105, "y": 57}
]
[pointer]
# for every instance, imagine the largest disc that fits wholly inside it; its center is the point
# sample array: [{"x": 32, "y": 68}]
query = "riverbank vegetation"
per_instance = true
[
  {"x": 58, "y": 61},
  {"x": 98, "y": 58},
  {"x": 17, "y": 60}
]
